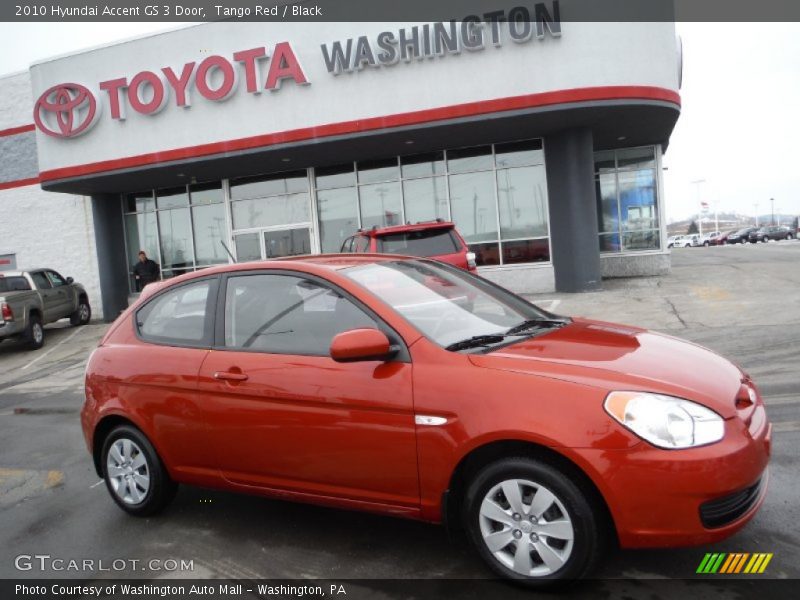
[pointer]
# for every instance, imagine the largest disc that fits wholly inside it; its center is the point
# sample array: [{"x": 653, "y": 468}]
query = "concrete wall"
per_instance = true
[
  {"x": 17, "y": 104},
  {"x": 634, "y": 265},
  {"x": 523, "y": 280}
]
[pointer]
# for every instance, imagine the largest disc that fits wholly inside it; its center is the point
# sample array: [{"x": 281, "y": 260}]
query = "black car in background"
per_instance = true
[
  {"x": 770, "y": 232},
  {"x": 741, "y": 236}
]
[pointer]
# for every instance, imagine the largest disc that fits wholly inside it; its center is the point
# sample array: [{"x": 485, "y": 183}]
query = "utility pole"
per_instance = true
[
  {"x": 698, "y": 183},
  {"x": 772, "y": 201},
  {"x": 755, "y": 209}
]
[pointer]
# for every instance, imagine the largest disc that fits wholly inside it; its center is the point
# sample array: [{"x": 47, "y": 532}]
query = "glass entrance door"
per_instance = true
[{"x": 273, "y": 243}]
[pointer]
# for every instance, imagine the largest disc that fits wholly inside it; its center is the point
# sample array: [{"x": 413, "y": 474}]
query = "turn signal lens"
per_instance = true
[{"x": 665, "y": 421}]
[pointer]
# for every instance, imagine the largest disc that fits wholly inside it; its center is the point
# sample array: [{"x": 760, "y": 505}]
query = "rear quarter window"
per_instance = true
[
  {"x": 178, "y": 316},
  {"x": 13, "y": 284},
  {"x": 428, "y": 242}
]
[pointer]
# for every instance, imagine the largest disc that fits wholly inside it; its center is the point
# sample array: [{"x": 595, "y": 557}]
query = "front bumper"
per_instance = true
[{"x": 655, "y": 496}]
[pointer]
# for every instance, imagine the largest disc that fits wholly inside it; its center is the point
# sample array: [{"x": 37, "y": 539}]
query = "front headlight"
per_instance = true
[{"x": 665, "y": 421}]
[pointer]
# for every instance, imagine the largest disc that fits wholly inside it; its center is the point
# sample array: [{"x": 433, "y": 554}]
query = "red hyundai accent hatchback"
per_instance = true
[{"x": 412, "y": 388}]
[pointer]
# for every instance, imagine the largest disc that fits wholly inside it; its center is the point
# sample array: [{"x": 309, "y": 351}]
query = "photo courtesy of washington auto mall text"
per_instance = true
[{"x": 371, "y": 299}]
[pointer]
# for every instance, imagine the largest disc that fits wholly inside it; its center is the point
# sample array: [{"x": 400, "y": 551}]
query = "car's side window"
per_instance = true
[
  {"x": 41, "y": 280},
  {"x": 180, "y": 315},
  {"x": 286, "y": 314},
  {"x": 55, "y": 279},
  {"x": 361, "y": 244}
]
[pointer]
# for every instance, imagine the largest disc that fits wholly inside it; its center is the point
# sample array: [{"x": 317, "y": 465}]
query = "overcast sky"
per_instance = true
[{"x": 739, "y": 129}]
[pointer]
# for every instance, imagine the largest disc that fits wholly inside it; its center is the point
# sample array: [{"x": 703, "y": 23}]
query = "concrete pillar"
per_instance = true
[
  {"x": 111, "y": 261},
  {"x": 573, "y": 210}
]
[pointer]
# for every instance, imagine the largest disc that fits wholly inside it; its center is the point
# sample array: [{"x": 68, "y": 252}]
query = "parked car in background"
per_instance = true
[
  {"x": 770, "y": 232},
  {"x": 31, "y": 299},
  {"x": 673, "y": 240},
  {"x": 721, "y": 239},
  {"x": 704, "y": 240},
  {"x": 437, "y": 239},
  {"x": 546, "y": 439},
  {"x": 685, "y": 241},
  {"x": 740, "y": 236}
]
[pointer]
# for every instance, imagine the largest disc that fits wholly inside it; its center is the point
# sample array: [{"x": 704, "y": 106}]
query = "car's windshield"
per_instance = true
[{"x": 445, "y": 304}]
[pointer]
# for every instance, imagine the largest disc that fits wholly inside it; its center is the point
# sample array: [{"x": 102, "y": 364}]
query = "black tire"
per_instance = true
[
  {"x": 161, "y": 489},
  {"x": 588, "y": 532},
  {"x": 34, "y": 334},
  {"x": 82, "y": 314}
]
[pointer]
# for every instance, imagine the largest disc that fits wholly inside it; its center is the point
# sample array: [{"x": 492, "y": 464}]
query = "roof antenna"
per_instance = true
[{"x": 233, "y": 258}]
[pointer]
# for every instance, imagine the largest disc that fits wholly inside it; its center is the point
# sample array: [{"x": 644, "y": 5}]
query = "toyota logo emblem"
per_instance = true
[{"x": 66, "y": 110}]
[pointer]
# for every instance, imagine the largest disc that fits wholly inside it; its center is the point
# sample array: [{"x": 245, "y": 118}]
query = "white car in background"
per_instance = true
[
  {"x": 705, "y": 239},
  {"x": 683, "y": 241}
]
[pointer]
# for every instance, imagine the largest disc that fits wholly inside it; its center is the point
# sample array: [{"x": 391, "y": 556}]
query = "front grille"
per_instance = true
[{"x": 720, "y": 512}]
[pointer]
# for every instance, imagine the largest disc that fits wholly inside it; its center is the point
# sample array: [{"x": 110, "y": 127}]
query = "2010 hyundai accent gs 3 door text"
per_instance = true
[{"x": 409, "y": 387}]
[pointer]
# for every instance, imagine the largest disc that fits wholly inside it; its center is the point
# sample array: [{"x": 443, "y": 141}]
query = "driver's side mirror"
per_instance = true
[
  {"x": 70, "y": 280},
  {"x": 361, "y": 345}
]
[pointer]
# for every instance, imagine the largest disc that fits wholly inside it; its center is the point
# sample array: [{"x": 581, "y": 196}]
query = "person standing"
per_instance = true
[{"x": 146, "y": 271}]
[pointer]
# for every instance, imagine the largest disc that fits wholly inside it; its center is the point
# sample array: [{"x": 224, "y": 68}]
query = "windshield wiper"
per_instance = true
[
  {"x": 476, "y": 341},
  {"x": 540, "y": 322}
]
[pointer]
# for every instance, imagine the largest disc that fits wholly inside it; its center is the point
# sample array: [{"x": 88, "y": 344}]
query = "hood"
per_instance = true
[{"x": 620, "y": 357}]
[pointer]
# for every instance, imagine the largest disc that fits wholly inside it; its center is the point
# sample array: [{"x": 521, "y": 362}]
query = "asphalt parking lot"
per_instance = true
[{"x": 742, "y": 301}]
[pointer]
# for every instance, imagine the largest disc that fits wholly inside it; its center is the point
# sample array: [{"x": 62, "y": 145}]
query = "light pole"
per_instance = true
[
  {"x": 698, "y": 183},
  {"x": 772, "y": 202},
  {"x": 755, "y": 207}
]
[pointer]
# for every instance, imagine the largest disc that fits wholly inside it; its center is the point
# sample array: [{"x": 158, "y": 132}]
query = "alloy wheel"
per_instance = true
[
  {"x": 128, "y": 471},
  {"x": 526, "y": 527},
  {"x": 83, "y": 312},
  {"x": 37, "y": 332}
]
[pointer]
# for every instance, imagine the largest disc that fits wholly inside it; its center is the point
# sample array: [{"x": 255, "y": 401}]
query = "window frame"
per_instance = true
[
  {"x": 206, "y": 342},
  {"x": 395, "y": 339}
]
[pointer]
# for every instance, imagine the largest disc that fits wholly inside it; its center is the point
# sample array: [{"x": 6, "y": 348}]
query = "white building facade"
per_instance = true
[{"x": 541, "y": 141}]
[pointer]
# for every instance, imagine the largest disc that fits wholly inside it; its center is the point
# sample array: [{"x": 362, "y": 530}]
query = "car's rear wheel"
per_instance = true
[
  {"x": 134, "y": 474},
  {"x": 530, "y": 522},
  {"x": 82, "y": 314},
  {"x": 766, "y": 239},
  {"x": 34, "y": 336}
]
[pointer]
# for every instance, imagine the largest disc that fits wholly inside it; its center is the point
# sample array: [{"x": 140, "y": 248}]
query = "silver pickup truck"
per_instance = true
[{"x": 30, "y": 299}]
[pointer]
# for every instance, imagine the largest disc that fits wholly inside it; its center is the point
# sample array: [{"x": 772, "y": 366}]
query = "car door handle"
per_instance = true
[{"x": 230, "y": 376}]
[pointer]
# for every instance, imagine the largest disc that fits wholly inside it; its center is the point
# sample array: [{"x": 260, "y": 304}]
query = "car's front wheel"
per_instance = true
[
  {"x": 134, "y": 474},
  {"x": 532, "y": 523}
]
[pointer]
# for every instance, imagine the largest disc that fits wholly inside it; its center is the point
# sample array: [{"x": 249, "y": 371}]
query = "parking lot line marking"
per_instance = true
[
  {"x": 785, "y": 426},
  {"x": 94, "y": 485},
  {"x": 41, "y": 356}
]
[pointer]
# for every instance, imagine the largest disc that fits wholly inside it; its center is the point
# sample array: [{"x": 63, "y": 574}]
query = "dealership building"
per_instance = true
[{"x": 541, "y": 140}]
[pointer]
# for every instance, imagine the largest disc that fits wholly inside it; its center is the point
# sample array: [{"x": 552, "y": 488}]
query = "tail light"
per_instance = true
[
  {"x": 471, "y": 261},
  {"x": 5, "y": 310}
]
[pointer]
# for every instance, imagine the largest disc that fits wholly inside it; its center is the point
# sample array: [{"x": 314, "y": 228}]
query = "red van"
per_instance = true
[{"x": 437, "y": 239}]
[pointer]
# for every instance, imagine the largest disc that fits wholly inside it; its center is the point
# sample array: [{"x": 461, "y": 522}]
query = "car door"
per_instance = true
[
  {"x": 286, "y": 416},
  {"x": 62, "y": 295},
  {"x": 48, "y": 294}
]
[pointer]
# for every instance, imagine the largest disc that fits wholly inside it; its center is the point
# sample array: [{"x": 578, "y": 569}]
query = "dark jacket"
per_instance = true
[{"x": 145, "y": 272}]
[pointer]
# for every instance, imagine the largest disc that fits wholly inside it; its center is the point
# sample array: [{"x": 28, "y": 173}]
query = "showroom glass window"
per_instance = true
[
  {"x": 626, "y": 183},
  {"x": 271, "y": 215},
  {"x": 180, "y": 228},
  {"x": 495, "y": 194}
]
